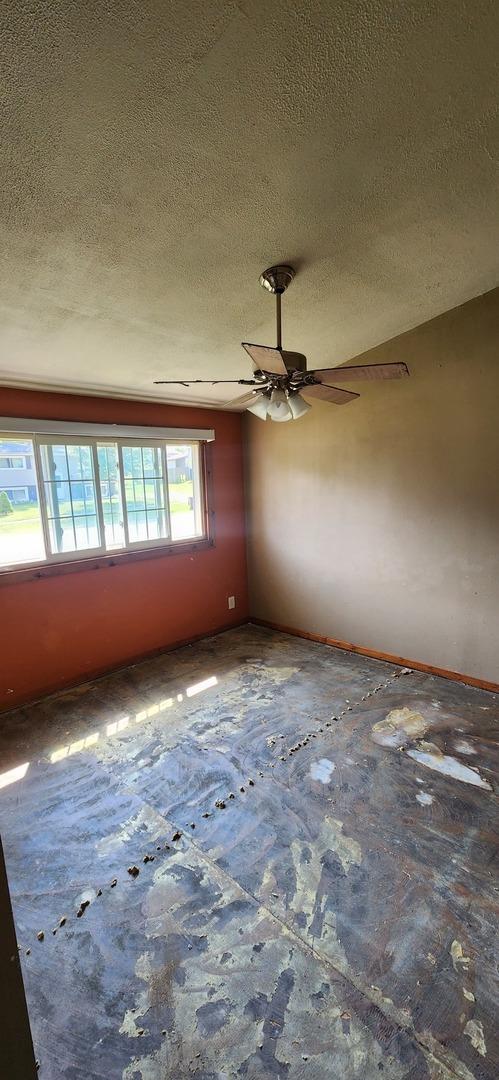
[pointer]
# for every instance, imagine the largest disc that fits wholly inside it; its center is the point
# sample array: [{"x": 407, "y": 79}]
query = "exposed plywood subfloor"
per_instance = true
[{"x": 334, "y": 919}]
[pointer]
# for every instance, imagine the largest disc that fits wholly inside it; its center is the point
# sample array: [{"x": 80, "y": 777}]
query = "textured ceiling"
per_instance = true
[{"x": 156, "y": 156}]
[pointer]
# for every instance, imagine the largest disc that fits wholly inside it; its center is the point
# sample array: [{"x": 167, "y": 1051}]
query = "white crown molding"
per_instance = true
[{"x": 120, "y": 393}]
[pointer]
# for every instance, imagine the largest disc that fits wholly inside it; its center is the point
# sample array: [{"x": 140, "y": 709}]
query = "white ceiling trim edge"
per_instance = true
[{"x": 9, "y": 424}]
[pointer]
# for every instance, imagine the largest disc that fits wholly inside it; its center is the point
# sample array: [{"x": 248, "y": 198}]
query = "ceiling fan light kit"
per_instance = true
[
  {"x": 260, "y": 406},
  {"x": 298, "y": 405},
  {"x": 281, "y": 377},
  {"x": 278, "y": 406}
]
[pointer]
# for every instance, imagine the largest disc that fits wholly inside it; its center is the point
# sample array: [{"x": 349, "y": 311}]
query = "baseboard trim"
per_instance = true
[
  {"x": 390, "y": 658},
  {"x": 346, "y": 646},
  {"x": 101, "y": 673}
]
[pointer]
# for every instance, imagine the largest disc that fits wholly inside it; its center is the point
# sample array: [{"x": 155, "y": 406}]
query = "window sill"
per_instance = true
[{"x": 102, "y": 562}]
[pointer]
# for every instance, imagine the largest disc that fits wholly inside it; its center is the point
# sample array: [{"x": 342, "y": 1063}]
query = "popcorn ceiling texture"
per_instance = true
[{"x": 157, "y": 156}]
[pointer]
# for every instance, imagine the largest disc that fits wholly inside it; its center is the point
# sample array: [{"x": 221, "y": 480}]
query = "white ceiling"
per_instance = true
[{"x": 158, "y": 156}]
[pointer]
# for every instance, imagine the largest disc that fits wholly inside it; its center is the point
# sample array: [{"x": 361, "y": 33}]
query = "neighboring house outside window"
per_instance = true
[
  {"x": 179, "y": 468},
  {"x": 17, "y": 471},
  {"x": 17, "y": 494}
]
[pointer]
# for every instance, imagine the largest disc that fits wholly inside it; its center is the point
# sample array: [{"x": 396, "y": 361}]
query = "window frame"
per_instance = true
[
  {"x": 65, "y": 440},
  {"x": 68, "y": 560},
  {"x": 134, "y": 545}
]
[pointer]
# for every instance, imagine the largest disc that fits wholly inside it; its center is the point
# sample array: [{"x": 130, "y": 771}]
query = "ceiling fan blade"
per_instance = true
[
  {"x": 207, "y": 382},
  {"x": 265, "y": 358},
  {"x": 328, "y": 393},
  {"x": 369, "y": 372},
  {"x": 244, "y": 399}
]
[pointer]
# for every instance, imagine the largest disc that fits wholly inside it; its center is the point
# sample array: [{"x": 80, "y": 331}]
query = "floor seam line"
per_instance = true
[
  {"x": 291, "y": 932},
  {"x": 110, "y": 768}
]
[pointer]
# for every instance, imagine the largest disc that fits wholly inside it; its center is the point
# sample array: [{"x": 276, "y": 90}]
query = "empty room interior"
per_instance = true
[{"x": 249, "y": 540}]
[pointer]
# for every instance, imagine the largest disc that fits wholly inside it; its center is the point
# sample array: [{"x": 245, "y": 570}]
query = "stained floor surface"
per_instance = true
[{"x": 333, "y": 916}]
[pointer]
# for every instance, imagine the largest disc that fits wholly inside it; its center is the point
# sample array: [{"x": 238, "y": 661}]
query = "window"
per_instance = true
[
  {"x": 185, "y": 494},
  {"x": 110, "y": 495},
  {"x": 69, "y": 497},
  {"x": 12, "y": 462},
  {"x": 21, "y": 530},
  {"x": 82, "y": 496},
  {"x": 147, "y": 516}
]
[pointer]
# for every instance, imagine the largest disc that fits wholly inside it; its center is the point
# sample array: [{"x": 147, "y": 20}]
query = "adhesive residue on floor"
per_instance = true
[
  {"x": 400, "y": 727},
  {"x": 474, "y": 1031},
  {"x": 428, "y": 754},
  {"x": 460, "y": 962},
  {"x": 424, "y": 798},
  {"x": 322, "y": 770},
  {"x": 464, "y": 747}
]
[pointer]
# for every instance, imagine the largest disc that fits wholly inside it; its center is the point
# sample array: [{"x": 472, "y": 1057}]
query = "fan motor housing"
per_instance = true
[
  {"x": 295, "y": 361},
  {"x": 277, "y": 278}
]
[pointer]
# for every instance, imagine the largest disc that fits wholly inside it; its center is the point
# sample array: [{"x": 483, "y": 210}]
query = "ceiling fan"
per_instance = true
[{"x": 281, "y": 377}]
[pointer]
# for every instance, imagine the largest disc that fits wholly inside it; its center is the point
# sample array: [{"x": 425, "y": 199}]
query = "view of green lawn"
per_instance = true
[
  {"x": 22, "y": 519},
  {"x": 21, "y": 537},
  {"x": 26, "y": 518}
]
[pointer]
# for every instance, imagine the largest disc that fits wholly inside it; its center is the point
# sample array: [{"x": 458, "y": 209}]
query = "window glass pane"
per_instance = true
[
  {"x": 147, "y": 525},
  {"x": 21, "y": 533},
  {"x": 126, "y": 453},
  {"x": 132, "y": 461},
  {"x": 154, "y": 494},
  {"x": 184, "y": 485},
  {"x": 73, "y": 534},
  {"x": 139, "y": 497},
  {"x": 155, "y": 524},
  {"x": 148, "y": 460},
  {"x": 145, "y": 495},
  {"x": 137, "y": 526},
  {"x": 80, "y": 463},
  {"x": 110, "y": 489},
  {"x": 70, "y": 497},
  {"x": 55, "y": 463}
]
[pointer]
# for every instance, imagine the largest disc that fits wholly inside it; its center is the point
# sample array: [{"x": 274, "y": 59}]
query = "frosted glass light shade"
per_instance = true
[
  {"x": 298, "y": 405},
  {"x": 260, "y": 406},
  {"x": 279, "y": 407}
]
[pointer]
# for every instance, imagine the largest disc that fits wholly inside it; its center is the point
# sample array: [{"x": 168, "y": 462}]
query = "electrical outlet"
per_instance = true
[{"x": 231, "y": 602}]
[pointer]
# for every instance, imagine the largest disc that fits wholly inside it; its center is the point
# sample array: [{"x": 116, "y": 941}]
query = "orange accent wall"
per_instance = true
[{"x": 61, "y": 630}]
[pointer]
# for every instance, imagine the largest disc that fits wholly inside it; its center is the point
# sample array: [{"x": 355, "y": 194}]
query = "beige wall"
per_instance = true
[{"x": 377, "y": 522}]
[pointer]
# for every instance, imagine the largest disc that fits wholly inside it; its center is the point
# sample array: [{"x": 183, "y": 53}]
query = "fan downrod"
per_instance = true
[{"x": 277, "y": 278}]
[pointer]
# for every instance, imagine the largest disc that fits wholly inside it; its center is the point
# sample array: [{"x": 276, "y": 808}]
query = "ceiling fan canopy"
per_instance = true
[{"x": 281, "y": 380}]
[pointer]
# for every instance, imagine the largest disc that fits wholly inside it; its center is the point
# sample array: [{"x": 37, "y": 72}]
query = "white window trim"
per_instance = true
[
  {"x": 39, "y": 438},
  {"x": 9, "y": 424}
]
